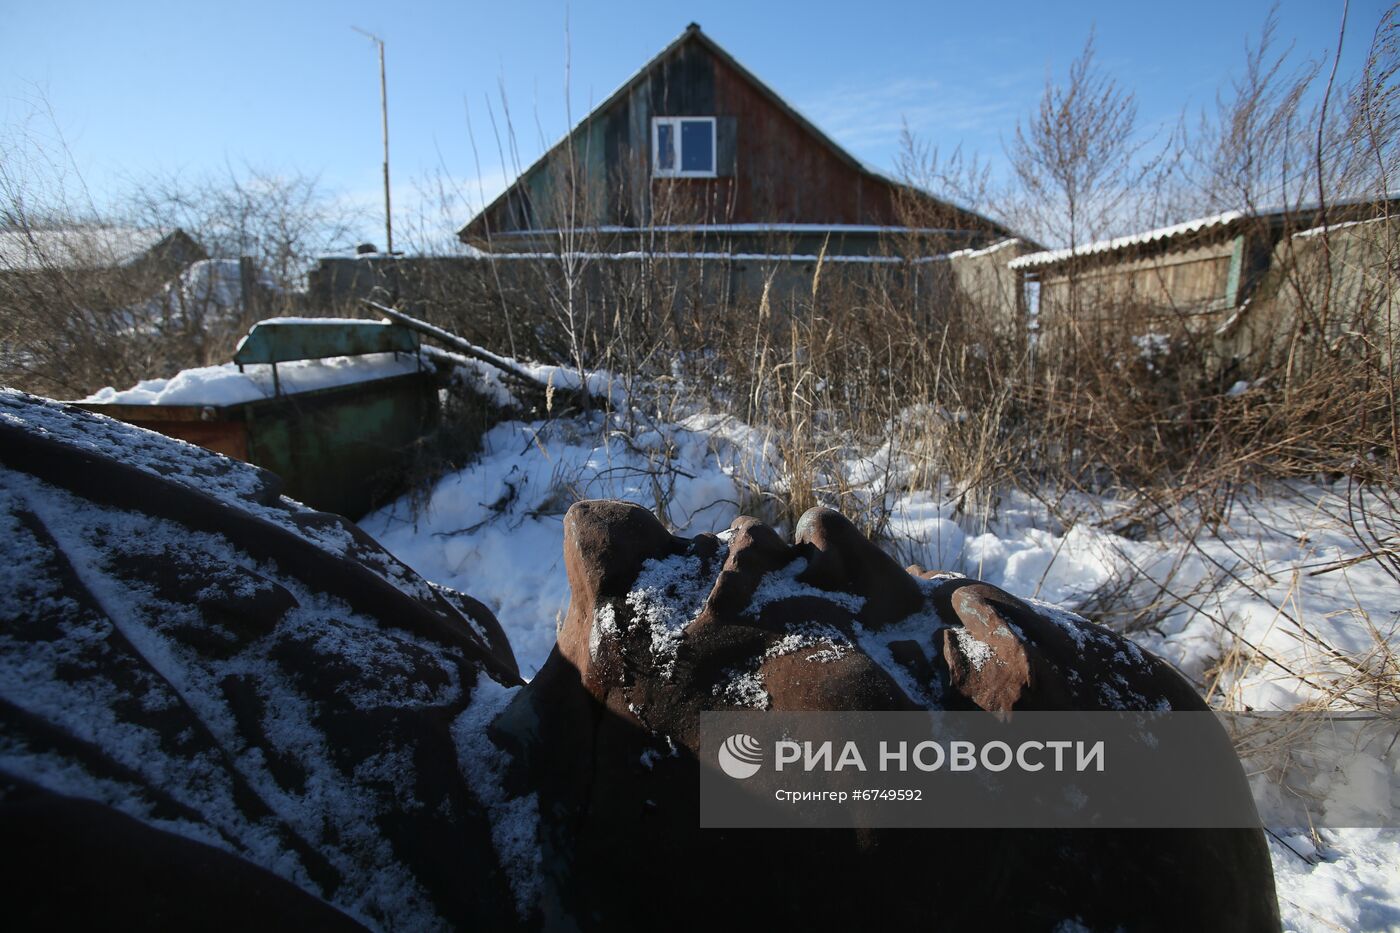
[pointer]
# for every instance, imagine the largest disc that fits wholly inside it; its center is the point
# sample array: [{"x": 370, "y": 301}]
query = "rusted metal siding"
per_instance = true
[{"x": 207, "y": 426}]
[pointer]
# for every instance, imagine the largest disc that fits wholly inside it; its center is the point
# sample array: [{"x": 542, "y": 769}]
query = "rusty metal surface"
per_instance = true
[
  {"x": 229, "y": 438},
  {"x": 132, "y": 414}
]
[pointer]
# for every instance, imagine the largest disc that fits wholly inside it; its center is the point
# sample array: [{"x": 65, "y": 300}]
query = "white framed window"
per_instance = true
[{"x": 683, "y": 147}]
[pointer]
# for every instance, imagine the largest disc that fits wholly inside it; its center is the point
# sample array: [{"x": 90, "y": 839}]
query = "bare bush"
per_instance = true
[
  {"x": 282, "y": 221},
  {"x": 168, "y": 278},
  {"x": 1079, "y": 161}
]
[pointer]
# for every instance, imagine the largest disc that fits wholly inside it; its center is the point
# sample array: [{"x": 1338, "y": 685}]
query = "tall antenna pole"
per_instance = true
[{"x": 384, "y": 125}]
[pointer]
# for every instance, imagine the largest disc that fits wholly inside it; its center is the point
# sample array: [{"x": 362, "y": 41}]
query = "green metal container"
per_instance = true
[{"x": 345, "y": 449}]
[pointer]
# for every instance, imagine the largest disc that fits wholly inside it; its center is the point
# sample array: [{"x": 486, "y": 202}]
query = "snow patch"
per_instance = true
[
  {"x": 669, "y": 595},
  {"x": 226, "y": 385},
  {"x": 515, "y": 821}
]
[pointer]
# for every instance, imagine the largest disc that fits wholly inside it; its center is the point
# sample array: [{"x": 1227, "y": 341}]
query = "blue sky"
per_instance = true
[{"x": 142, "y": 87}]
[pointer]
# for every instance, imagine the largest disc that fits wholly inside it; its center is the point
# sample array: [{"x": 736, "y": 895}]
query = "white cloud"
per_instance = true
[{"x": 869, "y": 116}]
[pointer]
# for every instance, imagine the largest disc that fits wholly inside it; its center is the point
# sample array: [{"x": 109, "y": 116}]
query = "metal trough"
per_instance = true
[{"x": 343, "y": 449}]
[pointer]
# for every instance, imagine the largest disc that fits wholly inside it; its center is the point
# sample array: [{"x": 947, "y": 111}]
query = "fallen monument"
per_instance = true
[{"x": 220, "y": 708}]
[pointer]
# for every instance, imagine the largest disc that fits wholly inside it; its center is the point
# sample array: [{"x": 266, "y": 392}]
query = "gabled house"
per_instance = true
[{"x": 695, "y": 146}]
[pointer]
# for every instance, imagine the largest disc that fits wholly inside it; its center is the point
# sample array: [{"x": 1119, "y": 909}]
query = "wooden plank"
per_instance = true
[
  {"x": 1232, "y": 282},
  {"x": 457, "y": 343}
]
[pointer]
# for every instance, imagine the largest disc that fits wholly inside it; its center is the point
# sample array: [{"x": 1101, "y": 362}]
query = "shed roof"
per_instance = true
[
  {"x": 1344, "y": 209},
  {"x": 1052, "y": 256}
]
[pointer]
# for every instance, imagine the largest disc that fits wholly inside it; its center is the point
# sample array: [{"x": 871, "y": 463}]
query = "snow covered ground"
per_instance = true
[
  {"x": 1240, "y": 607},
  {"x": 496, "y": 527}
]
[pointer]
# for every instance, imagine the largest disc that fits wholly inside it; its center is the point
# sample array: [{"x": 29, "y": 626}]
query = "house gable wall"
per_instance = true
[{"x": 772, "y": 168}]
